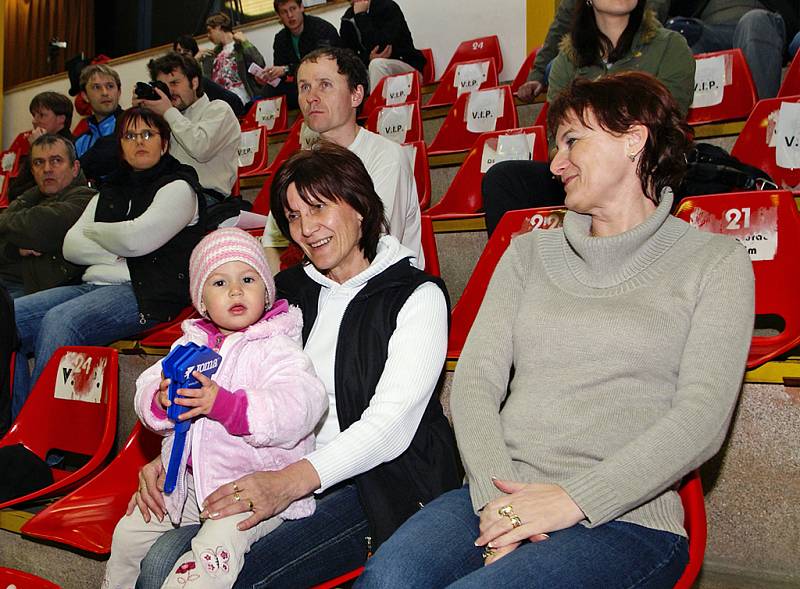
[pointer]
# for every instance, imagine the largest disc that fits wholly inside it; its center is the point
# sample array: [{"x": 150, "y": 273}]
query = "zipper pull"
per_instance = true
[{"x": 369, "y": 545}]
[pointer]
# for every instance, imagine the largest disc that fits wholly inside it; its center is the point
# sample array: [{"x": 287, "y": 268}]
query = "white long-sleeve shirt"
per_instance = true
[
  {"x": 417, "y": 351},
  {"x": 104, "y": 246}
]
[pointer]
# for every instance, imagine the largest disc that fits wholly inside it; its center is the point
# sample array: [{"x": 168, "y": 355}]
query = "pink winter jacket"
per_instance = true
[{"x": 285, "y": 401}]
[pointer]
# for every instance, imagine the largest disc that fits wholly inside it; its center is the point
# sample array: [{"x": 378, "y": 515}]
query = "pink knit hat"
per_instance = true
[{"x": 219, "y": 247}]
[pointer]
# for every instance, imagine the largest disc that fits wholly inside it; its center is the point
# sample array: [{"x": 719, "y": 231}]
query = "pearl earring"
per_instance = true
[{"x": 632, "y": 157}]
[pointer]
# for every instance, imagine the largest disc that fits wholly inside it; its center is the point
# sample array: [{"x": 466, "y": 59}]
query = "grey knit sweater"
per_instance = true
[{"x": 628, "y": 354}]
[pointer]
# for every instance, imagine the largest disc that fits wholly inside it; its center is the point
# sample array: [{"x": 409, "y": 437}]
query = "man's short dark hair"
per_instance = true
[
  {"x": 278, "y": 3},
  {"x": 187, "y": 42},
  {"x": 348, "y": 63},
  {"x": 166, "y": 64},
  {"x": 221, "y": 20},
  {"x": 58, "y": 103},
  {"x": 51, "y": 139},
  {"x": 98, "y": 69}
]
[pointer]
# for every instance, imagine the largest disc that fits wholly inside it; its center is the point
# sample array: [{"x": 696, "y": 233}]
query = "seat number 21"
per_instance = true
[{"x": 737, "y": 218}]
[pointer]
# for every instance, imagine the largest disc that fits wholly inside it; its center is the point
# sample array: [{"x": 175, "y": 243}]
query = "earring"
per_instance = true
[
  {"x": 589, "y": 3},
  {"x": 632, "y": 157}
]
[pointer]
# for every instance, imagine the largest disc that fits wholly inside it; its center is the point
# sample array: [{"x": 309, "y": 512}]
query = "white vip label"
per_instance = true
[
  {"x": 397, "y": 89},
  {"x": 709, "y": 81},
  {"x": 484, "y": 107},
  {"x": 80, "y": 378},
  {"x": 787, "y": 136},
  {"x": 267, "y": 112},
  {"x": 394, "y": 122},
  {"x": 470, "y": 76},
  {"x": 248, "y": 147},
  {"x": 756, "y": 229},
  {"x": 8, "y": 161},
  {"x": 518, "y": 146}
]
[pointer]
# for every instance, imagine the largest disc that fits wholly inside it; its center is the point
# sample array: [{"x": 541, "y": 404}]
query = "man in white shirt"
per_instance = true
[
  {"x": 205, "y": 133},
  {"x": 331, "y": 85}
]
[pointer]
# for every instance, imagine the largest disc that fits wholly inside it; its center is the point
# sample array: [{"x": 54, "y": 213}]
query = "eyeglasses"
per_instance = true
[{"x": 145, "y": 135}]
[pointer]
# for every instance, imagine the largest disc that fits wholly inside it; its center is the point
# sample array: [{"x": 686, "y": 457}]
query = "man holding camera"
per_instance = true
[{"x": 205, "y": 133}]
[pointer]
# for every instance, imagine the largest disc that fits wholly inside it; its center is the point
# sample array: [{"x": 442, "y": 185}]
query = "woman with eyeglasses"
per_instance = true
[{"x": 134, "y": 238}]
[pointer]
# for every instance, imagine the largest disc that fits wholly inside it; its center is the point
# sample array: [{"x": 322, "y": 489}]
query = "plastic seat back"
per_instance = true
[
  {"x": 22, "y": 580},
  {"x": 164, "y": 334},
  {"x": 464, "y": 195},
  {"x": 428, "y": 239},
  {"x": 466, "y": 308},
  {"x": 422, "y": 172},
  {"x": 86, "y": 518},
  {"x": 524, "y": 71},
  {"x": 392, "y": 90},
  {"x": 738, "y": 95},
  {"x": 455, "y": 134},
  {"x": 791, "y": 83},
  {"x": 401, "y": 123},
  {"x": 429, "y": 71},
  {"x": 76, "y": 399},
  {"x": 4, "y": 180},
  {"x": 463, "y": 77},
  {"x": 291, "y": 145},
  {"x": 753, "y": 143},
  {"x": 269, "y": 113},
  {"x": 479, "y": 48},
  {"x": 696, "y": 526},
  {"x": 253, "y": 152},
  {"x": 768, "y": 224}
]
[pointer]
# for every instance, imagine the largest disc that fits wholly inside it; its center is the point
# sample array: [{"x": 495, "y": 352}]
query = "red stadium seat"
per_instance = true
[
  {"x": 447, "y": 90},
  {"x": 387, "y": 121},
  {"x": 694, "y": 522},
  {"x": 768, "y": 224},
  {"x": 464, "y": 196},
  {"x": 480, "y": 48},
  {"x": 85, "y": 519},
  {"x": 400, "y": 95},
  {"x": 76, "y": 397},
  {"x": 260, "y": 157},
  {"x": 4, "y": 180},
  {"x": 454, "y": 136},
  {"x": 22, "y": 580},
  {"x": 752, "y": 145},
  {"x": 291, "y": 145},
  {"x": 164, "y": 334},
  {"x": 524, "y": 71},
  {"x": 739, "y": 94},
  {"x": 337, "y": 582},
  {"x": 273, "y": 119},
  {"x": 791, "y": 83},
  {"x": 428, "y": 239},
  {"x": 422, "y": 172},
  {"x": 429, "y": 71},
  {"x": 466, "y": 309}
]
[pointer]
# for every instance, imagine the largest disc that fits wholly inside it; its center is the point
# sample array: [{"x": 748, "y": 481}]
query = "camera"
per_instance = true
[{"x": 146, "y": 90}]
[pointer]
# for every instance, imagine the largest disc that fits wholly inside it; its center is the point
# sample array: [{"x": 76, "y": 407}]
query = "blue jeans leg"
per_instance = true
[
  {"x": 761, "y": 35},
  {"x": 434, "y": 549},
  {"x": 300, "y": 553},
  {"x": 80, "y": 315}
]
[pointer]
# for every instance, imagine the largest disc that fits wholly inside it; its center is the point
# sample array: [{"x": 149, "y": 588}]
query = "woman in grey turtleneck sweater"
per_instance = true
[{"x": 627, "y": 331}]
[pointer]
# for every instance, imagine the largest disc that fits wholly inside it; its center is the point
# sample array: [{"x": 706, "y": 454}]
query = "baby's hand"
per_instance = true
[
  {"x": 200, "y": 400},
  {"x": 163, "y": 393}
]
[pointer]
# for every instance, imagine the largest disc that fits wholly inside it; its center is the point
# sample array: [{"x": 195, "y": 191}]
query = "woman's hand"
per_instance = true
[
  {"x": 539, "y": 507},
  {"x": 263, "y": 493},
  {"x": 200, "y": 400},
  {"x": 530, "y": 90},
  {"x": 149, "y": 496}
]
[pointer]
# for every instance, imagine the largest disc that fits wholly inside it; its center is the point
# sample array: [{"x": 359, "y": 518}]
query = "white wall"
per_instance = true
[{"x": 438, "y": 24}]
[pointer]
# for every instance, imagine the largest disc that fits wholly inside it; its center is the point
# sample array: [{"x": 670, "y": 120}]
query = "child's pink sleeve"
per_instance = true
[{"x": 230, "y": 409}]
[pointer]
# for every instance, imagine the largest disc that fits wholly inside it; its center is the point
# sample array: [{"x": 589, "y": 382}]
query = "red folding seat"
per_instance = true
[
  {"x": 428, "y": 239},
  {"x": 464, "y": 196},
  {"x": 454, "y": 134},
  {"x": 429, "y": 71},
  {"x": 76, "y": 397},
  {"x": 392, "y": 90},
  {"x": 4, "y": 180},
  {"x": 86, "y": 518},
  {"x": 791, "y": 83},
  {"x": 422, "y": 172},
  {"x": 768, "y": 224},
  {"x": 164, "y": 334},
  {"x": 253, "y": 152},
  {"x": 466, "y": 309},
  {"x": 739, "y": 93},
  {"x": 291, "y": 145},
  {"x": 391, "y": 122},
  {"x": 524, "y": 71},
  {"x": 22, "y": 580},
  {"x": 448, "y": 89},
  {"x": 480, "y": 48},
  {"x": 696, "y": 526},
  {"x": 269, "y": 113},
  {"x": 752, "y": 144}
]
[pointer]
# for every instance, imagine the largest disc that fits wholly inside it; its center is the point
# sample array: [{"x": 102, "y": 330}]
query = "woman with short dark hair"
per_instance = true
[{"x": 603, "y": 366}]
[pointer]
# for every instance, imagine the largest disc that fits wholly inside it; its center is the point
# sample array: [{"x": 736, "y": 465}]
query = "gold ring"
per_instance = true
[
  {"x": 235, "y": 487},
  {"x": 487, "y": 552},
  {"x": 506, "y": 511},
  {"x": 250, "y": 505},
  {"x": 236, "y": 496},
  {"x": 515, "y": 521}
]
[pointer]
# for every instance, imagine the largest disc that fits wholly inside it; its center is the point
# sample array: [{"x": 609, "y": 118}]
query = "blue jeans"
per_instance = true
[
  {"x": 434, "y": 549},
  {"x": 300, "y": 553},
  {"x": 78, "y": 315},
  {"x": 794, "y": 45},
  {"x": 760, "y": 34}
]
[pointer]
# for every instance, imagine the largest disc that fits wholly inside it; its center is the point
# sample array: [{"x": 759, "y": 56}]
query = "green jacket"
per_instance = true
[
  {"x": 39, "y": 222},
  {"x": 246, "y": 53},
  {"x": 655, "y": 50}
]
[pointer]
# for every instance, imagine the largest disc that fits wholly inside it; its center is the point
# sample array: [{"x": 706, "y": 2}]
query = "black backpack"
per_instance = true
[{"x": 712, "y": 170}]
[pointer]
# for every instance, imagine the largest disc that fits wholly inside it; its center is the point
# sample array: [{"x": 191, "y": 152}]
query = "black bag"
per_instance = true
[
  {"x": 712, "y": 170},
  {"x": 8, "y": 343},
  {"x": 23, "y": 472},
  {"x": 220, "y": 207}
]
